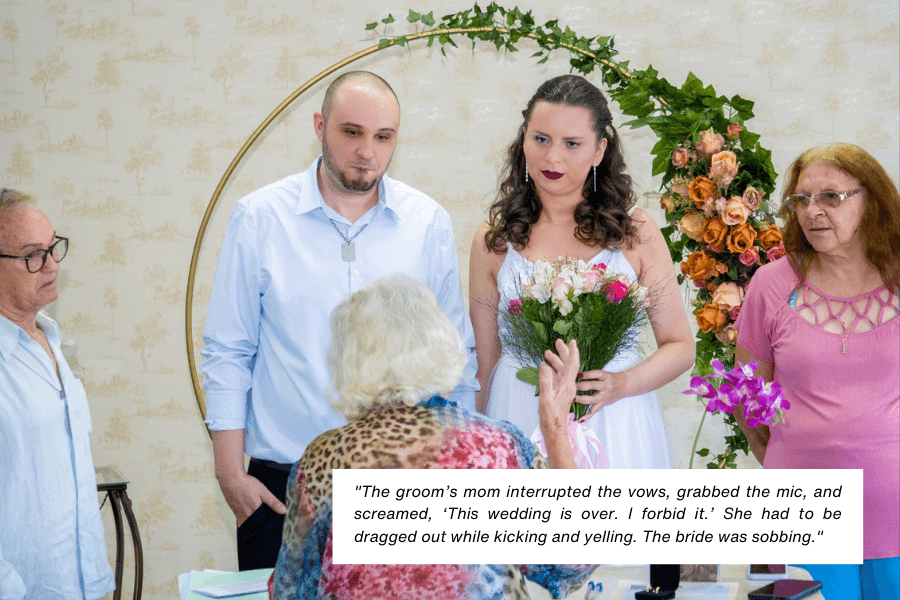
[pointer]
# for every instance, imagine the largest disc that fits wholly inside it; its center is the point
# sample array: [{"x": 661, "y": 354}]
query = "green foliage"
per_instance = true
[{"x": 675, "y": 114}]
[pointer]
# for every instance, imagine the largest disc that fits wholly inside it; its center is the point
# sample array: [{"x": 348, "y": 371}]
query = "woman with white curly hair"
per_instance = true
[{"x": 393, "y": 354}]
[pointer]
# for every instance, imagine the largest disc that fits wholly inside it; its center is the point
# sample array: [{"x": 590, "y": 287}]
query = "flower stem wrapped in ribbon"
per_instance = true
[
  {"x": 763, "y": 401},
  {"x": 571, "y": 299}
]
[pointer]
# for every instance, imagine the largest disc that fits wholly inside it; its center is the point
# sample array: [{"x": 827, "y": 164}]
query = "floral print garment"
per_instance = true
[{"x": 435, "y": 434}]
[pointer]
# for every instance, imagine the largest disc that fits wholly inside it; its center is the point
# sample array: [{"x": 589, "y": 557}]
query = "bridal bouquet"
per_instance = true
[
  {"x": 571, "y": 299},
  {"x": 764, "y": 402}
]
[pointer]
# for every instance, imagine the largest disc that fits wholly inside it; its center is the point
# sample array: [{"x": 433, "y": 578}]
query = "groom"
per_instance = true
[{"x": 293, "y": 250}]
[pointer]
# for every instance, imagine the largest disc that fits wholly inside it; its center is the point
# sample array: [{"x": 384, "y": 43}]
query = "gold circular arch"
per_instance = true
[{"x": 198, "y": 243}]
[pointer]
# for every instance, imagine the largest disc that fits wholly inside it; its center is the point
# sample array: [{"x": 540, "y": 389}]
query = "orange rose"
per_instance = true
[
  {"x": 691, "y": 225},
  {"x": 736, "y": 212},
  {"x": 770, "y": 237},
  {"x": 727, "y": 296},
  {"x": 714, "y": 232},
  {"x": 700, "y": 190},
  {"x": 734, "y": 130},
  {"x": 710, "y": 318},
  {"x": 699, "y": 265},
  {"x": 741, "y": 238}
]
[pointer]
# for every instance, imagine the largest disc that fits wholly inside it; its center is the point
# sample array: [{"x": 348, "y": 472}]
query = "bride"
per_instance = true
[{"x": 566, "y": 194}]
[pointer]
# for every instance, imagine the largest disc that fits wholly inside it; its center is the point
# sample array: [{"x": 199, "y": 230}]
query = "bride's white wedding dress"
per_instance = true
[{"x": 633, "y": 431}]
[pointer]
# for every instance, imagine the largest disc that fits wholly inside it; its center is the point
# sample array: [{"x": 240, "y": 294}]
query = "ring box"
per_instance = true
[{"x": 664, "y": 580}]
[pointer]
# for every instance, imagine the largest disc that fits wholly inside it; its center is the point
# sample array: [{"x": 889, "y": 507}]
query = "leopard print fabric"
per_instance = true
[{"x": 434, "y": 434}]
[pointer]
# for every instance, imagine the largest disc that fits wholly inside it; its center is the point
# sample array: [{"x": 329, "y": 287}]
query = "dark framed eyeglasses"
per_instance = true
[
  {"x": 35, "y": 261},
  {"x": 828, "y": 198}
]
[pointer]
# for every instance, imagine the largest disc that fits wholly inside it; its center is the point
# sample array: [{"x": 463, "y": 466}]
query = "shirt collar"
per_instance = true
[
  {"x": 311, "y": 198},
  {"x": 11, "y": 334},
  {"x": 438, "y": 402}
]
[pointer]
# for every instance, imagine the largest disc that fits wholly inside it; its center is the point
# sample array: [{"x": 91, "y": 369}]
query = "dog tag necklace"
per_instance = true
[{"x": 348, "y": 249}]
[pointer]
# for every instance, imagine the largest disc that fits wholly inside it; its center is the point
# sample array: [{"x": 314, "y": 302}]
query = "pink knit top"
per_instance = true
[{"x": 838, "y": 360}]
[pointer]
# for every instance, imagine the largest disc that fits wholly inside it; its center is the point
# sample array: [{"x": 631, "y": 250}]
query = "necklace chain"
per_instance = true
[{"x": 348, "y": 248}]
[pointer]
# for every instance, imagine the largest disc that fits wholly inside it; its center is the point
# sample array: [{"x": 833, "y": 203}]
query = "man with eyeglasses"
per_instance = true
[{"x": 51, "y": 537}]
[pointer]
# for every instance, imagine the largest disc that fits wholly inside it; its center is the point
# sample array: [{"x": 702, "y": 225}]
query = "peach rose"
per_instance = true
[
  {"x": 691, "y": 225},
  {"x": 752, "y": 198},
  {"x": 680, "y": 186},
  {"x": 727, "y": 296},
  {"x": 736, "y": 212},
  {"x": 734, "y": 130},
  {"x": 710, "y": 318},
  {"x": 727, "y": 335},
  {"x": 699, "y": 265},
  {"x": 700, "y": 190},
  {"x": 680, "y": 158},
  {"x": 710, "y": 142},
  {"x": 714, "y": 232},
  {"x": 770, "y": 237},
  {"x": 741, "y": 238},
  {"x": 723, "y": 168},
  {"x": 667, "y": 203}
]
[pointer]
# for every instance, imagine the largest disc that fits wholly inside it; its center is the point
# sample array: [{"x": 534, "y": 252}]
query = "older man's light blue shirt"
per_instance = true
[
  {"x": 279, "y": 276},
  {"x": 51, "y": 535}
]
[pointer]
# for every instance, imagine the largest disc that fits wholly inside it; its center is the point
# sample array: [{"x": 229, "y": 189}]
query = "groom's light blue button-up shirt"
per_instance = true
[
  {"x": 279, "y": 276},
  {"x": 51, "y": 536}
]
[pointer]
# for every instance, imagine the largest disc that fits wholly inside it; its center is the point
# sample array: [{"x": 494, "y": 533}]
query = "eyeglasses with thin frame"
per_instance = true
[
  {"x": 828, "y": 198},
  {"x": 35, "y": 261}
]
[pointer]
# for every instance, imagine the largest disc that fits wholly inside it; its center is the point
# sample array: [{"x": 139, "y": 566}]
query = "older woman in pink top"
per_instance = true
[{"x": 824, "y": 323}]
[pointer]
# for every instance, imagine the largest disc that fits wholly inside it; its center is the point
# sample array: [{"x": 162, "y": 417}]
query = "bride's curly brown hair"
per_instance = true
[{"x": 602, "y": 217}]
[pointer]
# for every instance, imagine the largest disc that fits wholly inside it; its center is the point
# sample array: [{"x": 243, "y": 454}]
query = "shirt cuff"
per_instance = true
[{"x": 226, "y": 410}]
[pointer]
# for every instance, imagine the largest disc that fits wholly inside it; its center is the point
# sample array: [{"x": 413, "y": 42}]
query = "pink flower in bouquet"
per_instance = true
[
  {"x": 752, "y": 198},
  {"x": 680, "y": 158},
  {"x": 616, "y": 291},
  {"x": 723, "y": 168},
  {"x": 728, "y": 295},
  {"x": 733, "y": 314},
  {"x": 590, "y": 280},
  {"x": 750, "y": 257},
  {"x": 514, "y": 306},
  {"x": 775, "y": 252},
  {"x": 710, "y": 142},
  {"x": 559, "y": 294},
  {"x": 598, "y": 267},
  {"x": 734, "y": 130},
  {"x": 736, "y": 212}
]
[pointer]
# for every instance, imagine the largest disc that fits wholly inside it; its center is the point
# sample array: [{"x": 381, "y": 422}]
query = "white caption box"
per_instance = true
[{"x": 436, "y": 516}]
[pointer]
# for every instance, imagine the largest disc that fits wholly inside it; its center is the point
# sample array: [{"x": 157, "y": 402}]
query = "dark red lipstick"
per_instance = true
[{"x": 552, "y": 174}]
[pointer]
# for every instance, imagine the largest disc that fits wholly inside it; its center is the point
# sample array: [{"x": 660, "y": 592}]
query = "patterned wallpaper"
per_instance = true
[{"x": 121, "y": 117}]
